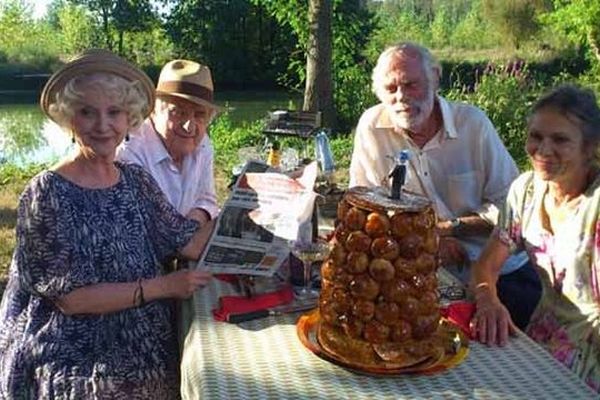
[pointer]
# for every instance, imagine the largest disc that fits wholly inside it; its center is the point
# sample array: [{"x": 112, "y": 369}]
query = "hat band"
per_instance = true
[{"x": 188, "y": 88}]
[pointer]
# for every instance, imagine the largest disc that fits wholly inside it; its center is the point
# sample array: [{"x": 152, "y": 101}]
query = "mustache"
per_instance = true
[{"x": 407, "y": 106}]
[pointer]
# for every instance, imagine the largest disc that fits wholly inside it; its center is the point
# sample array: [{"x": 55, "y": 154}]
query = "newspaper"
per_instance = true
[{"x": 264, "y": 212}]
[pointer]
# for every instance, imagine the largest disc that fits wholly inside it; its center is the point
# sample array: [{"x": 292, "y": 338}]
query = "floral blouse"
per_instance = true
[
  {"x": 567, "y": 319},
  {"x": 69, "y": 237}
]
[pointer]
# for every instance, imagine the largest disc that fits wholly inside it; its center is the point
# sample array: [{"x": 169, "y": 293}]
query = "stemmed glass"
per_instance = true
[{"x": 308, "y": 253}]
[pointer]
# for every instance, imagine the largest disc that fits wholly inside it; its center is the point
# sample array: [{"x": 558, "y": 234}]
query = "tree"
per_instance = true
[
  {"x": 240, "y": 41},
  {"x": 79, "y": 30},
  {"x": 119, "y": 17},
  {"x": 318, "y": 93},
  {"x": 516, "y": 19},
  {"x": 351, "y": 23},
  {"x": 15, "y": 18},
  {"x": 580, "y": 20},
  {"x": 23, "y": 39}
]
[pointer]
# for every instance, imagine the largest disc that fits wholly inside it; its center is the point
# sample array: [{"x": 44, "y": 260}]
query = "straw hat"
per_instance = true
[
  {"x": 187, "y": 80},
  {"x": 90, "y": 62}
]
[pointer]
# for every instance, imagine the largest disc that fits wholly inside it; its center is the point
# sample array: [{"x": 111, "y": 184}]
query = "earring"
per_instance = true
[{"x": 127, "y": 137}]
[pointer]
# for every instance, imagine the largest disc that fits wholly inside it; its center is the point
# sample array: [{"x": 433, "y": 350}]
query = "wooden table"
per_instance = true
[{"x": 263, "y": 359}]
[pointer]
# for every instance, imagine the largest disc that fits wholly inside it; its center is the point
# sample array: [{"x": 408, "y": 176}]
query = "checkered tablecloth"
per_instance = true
[{"x": 263, "y": 359}]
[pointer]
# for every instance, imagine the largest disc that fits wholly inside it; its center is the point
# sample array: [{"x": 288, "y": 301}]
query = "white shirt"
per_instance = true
[
  {"x": 463, "y": 169},
  {"x": 192, "y": 187}
]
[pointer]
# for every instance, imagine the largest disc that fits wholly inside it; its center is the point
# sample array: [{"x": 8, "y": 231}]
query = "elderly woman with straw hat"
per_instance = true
[
  {"x": 173, "y": 145},
  {"x": 85, "y": 312}
]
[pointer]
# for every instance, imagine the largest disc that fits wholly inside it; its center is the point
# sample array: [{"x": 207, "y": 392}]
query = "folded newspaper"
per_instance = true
[{"x": 264, "y": 212}]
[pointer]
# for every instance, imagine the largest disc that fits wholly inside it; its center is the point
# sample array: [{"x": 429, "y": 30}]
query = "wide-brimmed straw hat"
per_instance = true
[
  {"x": 90, "y": 62},
  {"x": 187, "y": 80}
]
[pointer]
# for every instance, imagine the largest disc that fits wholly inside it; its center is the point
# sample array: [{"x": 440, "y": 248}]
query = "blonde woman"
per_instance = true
[{"x": 84, "y": 314}]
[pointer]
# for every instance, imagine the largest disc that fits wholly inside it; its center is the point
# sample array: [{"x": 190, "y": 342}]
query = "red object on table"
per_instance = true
[
  {"x": 241, "y": 304},
  {"x": 230, "y": 278},
  {"x": 460, "y": 314}
]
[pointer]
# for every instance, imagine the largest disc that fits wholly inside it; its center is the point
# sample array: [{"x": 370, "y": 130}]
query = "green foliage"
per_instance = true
[
  {"x": 506, "y": 94},
  {"x": 341, "y": 148},
  {"x": 117, "y": 19},
  {"x": 21, "y": 39},
  {"x": 239, "y": 40},
  {"x": 353, "y": 94},
  {"x": 397, "y": 27},
  {"x": 351, "y": 26},
  {"x": 441, "y": 28},
  {"x": 79, "y": 30},
  {"x": 13, "y": 174},
  {"x": 515, "y": 19},
  {"x": 474, "y": 31},
  {"x": 228, "y": 138},
  {"x": 579, "y": 20}
]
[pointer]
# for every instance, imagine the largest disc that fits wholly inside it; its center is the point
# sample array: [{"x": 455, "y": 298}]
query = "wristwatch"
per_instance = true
[{"x": 455, "y": 223}]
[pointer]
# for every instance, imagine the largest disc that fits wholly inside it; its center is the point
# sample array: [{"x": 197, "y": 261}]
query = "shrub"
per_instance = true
[{"x": 506, "y": 94}]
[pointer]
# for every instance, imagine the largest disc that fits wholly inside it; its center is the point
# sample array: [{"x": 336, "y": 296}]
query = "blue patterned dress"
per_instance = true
[{"x": 69, "y": 237}]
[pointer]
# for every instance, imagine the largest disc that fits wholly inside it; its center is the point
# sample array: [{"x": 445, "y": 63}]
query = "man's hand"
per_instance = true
[
  {"x": 452, "y": 252},
  {"x": 200, "y": 215},
  {"x": 491, "y": 323}
]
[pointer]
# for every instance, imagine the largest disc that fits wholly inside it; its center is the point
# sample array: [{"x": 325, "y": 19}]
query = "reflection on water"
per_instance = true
[{"x": 26, "y": 136}]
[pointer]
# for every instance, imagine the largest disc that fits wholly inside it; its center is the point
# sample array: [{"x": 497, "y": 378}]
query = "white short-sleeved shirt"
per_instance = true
[
  {"x": 463, "y": 169},
  {"x": 192, "y": 187}
]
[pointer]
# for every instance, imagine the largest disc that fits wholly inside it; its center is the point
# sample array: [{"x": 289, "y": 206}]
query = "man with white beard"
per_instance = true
[{"x": 457, "y": 160}]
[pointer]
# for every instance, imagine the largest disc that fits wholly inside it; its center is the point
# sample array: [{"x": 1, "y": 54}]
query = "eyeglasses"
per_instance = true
[{"x": 198, "y": 114}]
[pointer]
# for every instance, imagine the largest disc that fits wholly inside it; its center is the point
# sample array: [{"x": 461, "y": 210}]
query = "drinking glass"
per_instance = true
[{"x": 309, "y": 252}]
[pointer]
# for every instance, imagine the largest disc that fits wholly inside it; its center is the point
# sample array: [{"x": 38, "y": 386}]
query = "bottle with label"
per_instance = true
[
  {"x": 324, "y": 155},
  {"x": 274, "y": 156}
]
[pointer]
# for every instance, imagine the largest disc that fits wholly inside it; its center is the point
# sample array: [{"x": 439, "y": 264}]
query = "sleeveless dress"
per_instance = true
[
  {"x": 566, "y": 321},
  {"x": 69, "y": 237}
]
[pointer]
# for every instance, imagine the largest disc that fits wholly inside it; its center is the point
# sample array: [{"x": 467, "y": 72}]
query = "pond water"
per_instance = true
[{"x": 26, "y": 136}]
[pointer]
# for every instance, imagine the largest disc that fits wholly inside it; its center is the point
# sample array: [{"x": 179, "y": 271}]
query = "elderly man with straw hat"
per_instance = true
[{"x": 173, "y": 144}]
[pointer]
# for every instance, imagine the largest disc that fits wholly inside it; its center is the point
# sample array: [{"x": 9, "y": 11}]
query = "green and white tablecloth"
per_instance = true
[{"x": 263, "y": 359}]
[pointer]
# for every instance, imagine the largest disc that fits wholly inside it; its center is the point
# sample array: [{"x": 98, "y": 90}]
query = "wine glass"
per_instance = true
[{"x": 308, "y": 252}]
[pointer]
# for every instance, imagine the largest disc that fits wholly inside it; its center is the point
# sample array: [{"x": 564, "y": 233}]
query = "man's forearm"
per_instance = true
[{"x": 467, "y": 225}]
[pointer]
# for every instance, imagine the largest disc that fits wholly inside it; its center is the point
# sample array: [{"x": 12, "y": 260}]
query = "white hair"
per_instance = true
[
  {"x": 129, "y": 95},
  {"x": 432, "y": 68}
]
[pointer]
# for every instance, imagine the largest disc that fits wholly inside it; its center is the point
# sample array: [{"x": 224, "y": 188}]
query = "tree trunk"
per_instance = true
[{"x": 318, "y": 93}]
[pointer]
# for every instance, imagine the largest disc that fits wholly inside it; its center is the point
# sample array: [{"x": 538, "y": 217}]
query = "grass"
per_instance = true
[{"x": 9, "y": 195}]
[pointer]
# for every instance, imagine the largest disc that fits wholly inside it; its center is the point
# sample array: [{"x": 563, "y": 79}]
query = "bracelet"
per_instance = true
[
  {"x": 142, "y": 300},
  {"x": 136, "y": 292}
]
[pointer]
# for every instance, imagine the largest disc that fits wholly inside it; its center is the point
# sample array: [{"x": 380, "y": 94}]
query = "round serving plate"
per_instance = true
[{"x": 454, "y": 353}]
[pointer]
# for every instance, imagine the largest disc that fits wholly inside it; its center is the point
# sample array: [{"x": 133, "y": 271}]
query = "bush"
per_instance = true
[
  {"x": 228, "y": 139},
  {"x": 506, "y": 94}
]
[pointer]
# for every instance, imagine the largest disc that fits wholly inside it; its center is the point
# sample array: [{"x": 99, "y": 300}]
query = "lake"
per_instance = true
[{"x": 25, "y": 137}]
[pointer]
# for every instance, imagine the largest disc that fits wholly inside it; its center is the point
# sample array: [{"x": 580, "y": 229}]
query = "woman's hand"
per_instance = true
[
  {"x": 492, "y": 323},
  {"x": 183, "y": 283}
]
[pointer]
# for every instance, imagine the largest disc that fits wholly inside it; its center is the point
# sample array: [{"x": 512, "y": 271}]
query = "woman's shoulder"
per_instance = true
[
  {"x": 524, "y": 181},
  {"x": 44, "y": 191},
  {"x": 136, "y": 174},
  {"x": 45, "y": 181}
]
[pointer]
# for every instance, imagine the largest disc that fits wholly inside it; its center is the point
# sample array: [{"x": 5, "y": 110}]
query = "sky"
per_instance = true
[{"x": 39, "y": 8}]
